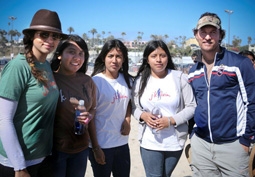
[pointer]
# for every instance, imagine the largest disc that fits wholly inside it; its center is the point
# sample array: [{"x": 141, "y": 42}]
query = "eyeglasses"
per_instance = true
[{"x": 46, "y": 35}]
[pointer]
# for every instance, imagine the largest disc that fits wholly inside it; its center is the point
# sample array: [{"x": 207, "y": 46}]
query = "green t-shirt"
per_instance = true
[{"x": 34, "y": 117}]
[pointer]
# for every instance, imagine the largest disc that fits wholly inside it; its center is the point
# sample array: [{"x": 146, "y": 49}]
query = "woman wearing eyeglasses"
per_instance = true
[{"x": 28, "y": 98}]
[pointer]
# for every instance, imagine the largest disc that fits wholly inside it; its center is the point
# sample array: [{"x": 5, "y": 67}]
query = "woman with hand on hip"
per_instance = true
[
  {"x": 28, "y": 98},
  {"x": 162, "y": 134}
]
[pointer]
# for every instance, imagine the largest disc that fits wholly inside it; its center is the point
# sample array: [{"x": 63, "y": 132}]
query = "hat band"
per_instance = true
[{"x": 45, "y": 28}]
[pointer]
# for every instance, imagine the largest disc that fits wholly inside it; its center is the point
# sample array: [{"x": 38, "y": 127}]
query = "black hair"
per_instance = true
[
  {"x": 246, "y": 53},
  {"x": 63, "y": 44},
  {"x": 145, "y": 69},
  {"x": 100, "y": 60}
]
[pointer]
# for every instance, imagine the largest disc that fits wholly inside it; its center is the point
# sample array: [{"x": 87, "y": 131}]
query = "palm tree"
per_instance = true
[
  {"x": 141, "y": 34},
  {"x": 18, "y": 34},
  {"x": 13, "y": 33},
  {"x": 3, "y": 39},
  {"x": 110, "y": 37},
  {"x": 93, "y": 31},
  {"x": 166, "y": 36},
  {"x": 98, "y": 37},
  {"x": 236, "y": 41},
  {"x": 123, "y": 34},
  {"x": 183, "y": 40},
  {"x": 249, "y": 40},
  {"x": 85, "y": 37},
  {"x": 103, "y": 33},
  {"x": 70, "y": 30},
  {"x": 154, "y": 37}
]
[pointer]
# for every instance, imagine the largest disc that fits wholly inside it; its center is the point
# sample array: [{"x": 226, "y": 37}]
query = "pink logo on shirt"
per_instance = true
[
  {"x": 158, "y": 94},
  {"x": 117, "y": 96}
]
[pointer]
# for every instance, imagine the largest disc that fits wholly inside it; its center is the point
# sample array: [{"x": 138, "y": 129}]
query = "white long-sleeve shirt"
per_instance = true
[{"x": 9, "y": 138}]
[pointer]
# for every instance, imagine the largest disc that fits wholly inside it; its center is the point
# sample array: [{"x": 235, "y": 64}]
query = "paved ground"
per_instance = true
[{"x": 182, "y": 169}]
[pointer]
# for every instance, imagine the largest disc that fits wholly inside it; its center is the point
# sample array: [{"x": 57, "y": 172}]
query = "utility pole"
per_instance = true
[
  {"x": 229, "y": 12},
  {"x": 12, "y": 18}
]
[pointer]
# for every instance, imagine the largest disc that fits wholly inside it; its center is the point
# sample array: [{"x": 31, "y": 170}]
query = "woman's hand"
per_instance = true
[
  {"x": 155, "y": 122},
  {"x": 84, "y": 118},
  {"x": 125, "y": 127},
  {"x": 99, "y": 155},
  {"x": 22, "y": 173},
  {"x": 150, "y": 119},
  {"x": 162, "y": 123},
  {"x": 246, "y": 149}
]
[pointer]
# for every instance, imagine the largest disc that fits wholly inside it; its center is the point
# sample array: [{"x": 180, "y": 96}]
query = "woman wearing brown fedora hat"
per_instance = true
[{"x": 29, "y": 95}]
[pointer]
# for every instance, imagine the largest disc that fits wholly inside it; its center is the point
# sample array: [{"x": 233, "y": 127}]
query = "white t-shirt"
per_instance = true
[
  {"x": 162, "y": 93},
  {"x": 113, "y": 96}
]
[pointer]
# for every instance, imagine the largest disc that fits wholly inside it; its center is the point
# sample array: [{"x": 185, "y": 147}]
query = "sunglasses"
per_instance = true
[{"x": 46, "y": 35}]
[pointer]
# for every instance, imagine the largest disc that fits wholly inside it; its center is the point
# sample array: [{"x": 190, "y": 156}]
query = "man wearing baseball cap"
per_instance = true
[{"x": 223, "y": 83}]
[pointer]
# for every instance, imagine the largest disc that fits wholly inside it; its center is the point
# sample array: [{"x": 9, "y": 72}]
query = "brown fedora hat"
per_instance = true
[{"x": 45, "y": 20}]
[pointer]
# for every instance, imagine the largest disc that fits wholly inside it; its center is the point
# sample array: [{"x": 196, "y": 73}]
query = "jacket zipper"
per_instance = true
[{"x": 208, "y": 100}]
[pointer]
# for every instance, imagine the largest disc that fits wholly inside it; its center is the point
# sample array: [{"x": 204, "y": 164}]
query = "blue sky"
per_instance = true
[{"x": 172, "y": 17}]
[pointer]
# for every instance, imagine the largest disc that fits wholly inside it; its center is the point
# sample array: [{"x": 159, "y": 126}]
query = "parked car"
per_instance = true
[{"x": 3, "y": 61}]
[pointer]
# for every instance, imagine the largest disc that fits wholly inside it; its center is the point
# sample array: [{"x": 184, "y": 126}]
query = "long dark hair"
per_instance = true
[
  {"x": 145, "y": 69},
  {"x": 55, "y": 62},
  {"x": 100, "y": 64},
  {"x": 28, "y": 43}
]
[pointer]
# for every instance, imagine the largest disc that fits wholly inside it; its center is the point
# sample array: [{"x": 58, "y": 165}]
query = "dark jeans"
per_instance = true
[
  {"x": 70, "y": 165},
  {"x": 44, "y": 169},
  {"x": 117, "y": 161},
  {"x": 159, "y": 163}
]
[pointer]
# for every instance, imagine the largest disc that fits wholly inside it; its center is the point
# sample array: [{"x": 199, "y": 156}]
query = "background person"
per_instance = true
[
  {"x": 158, "y": 84},
  {"x": 249, "y": 55},
  {"x": 28, "y": 98},
  {"x": 223, "y": 83},
  {"x": 69, "y": 64},
  {"x": 113, "y": 113},
  {"x": 196, "y": 55}
]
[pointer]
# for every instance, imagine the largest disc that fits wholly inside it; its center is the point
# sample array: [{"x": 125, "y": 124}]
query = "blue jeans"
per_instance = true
[
  {"x": 117, "y": 161},
  {"x": 70, "y": 165},
  {"x": 159, "y": 163}
]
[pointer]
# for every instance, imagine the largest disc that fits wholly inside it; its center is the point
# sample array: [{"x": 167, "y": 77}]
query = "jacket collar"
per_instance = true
[{"x": 219, "y": 56}]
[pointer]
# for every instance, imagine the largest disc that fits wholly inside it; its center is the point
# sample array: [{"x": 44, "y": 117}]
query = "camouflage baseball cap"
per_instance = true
[{"x": 208, "y": 20}]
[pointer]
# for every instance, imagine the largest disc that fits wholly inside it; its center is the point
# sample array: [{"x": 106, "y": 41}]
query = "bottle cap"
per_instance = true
[{"x": 81, "y": 102}]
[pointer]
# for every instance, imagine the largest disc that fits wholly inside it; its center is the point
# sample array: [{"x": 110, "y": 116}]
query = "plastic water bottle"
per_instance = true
[
  {"x": 78, "y": 127},
  {"x": 156, "y": 112}
]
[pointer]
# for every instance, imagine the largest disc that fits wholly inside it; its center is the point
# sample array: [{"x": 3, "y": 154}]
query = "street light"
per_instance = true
[
  {"x": 229, "y": 13},
  {"x": 12, "y": 18}
]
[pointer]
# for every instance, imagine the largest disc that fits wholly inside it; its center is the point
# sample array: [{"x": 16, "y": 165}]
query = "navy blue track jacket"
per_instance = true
[{"x": 226, "y": 107}]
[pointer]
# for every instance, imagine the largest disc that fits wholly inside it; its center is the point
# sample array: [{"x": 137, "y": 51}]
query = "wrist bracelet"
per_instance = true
[
  {"x": 96, "y": 149},
  {"x": 169, "y": 120}
]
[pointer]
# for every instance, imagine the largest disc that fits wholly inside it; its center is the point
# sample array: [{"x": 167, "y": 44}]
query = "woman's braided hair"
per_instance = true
[{"x": 28, "y": 43}]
